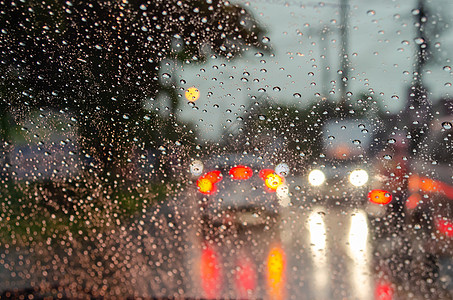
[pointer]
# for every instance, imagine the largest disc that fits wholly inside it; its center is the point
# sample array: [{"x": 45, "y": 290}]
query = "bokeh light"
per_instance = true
[
  {"x": 241, "y": 172},
  {"x": 192, "y": 94},
  {"x": 380, "y": 197}
]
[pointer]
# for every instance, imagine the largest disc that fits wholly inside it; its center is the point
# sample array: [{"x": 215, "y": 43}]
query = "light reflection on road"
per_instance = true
[
  {"x": 359, "y": 251},
  {"x": 276, "y": 273},
  {"x": 315, "y": 253},
  {"x": 318, "y": 242}
]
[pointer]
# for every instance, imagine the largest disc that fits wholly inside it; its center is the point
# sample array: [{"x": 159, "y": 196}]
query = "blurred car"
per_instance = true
[
  {"x": 241, "y": 191},
  {"x": 429, "y": 205},
  {"x": 341, "y": 176}
]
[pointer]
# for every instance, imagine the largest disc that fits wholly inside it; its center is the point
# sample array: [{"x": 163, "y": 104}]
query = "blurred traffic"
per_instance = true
[{"x": 226, "y": 150}]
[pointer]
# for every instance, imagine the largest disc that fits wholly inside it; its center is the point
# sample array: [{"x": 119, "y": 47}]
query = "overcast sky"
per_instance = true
[{"x": 381, "y": 51}]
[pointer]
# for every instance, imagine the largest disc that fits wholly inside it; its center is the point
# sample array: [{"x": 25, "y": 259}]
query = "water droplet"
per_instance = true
[
  {"x": 447, "y": 68},
  {"x": 277, "y": 89},
  {"x": 265, "y": 40},
  {"x": 388, "y": 157},
  {"x": 166, "y": 75},
  {"x": 297, "y": 95},
  {"x": 262, "y": 117},
  {"x": 419, "y": 40},
  {"x": 391, "y": 141},
  {"x": 447, "y": 125},
  {"x": 311, "y": 74},
  {"x": 356, "y": 142},
  {"x": 331, "y": 137},
  {"x": 371, "y": 12},
  {"x": 395, "y": 97}
]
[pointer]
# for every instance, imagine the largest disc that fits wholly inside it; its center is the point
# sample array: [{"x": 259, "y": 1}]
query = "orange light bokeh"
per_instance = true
[
  {"x": 413, "y": 201},
  {"x": 265, "y": 172},
  {"x": 273, "y": 181},
  {"x": 206, "y": 183},
  {"x": 205, "y": 186},
  {"x": 380, "y": 197}
]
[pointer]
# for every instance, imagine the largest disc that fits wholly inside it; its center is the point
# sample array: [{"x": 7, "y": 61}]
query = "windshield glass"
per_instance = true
[{"x": 215, "y": 149}]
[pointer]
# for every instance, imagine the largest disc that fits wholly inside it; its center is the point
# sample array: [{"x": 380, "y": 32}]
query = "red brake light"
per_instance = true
[
  {"x": 380, "y": 197},
  {"x": 206, "y": 183},
  {"x": 213, "y": 176},
  {"x": 445, "y": 227},
  {"x": 273, "y": 181},
  {"x": 241, "y": 172},
  {"x": 265, "y": 172},
  {"x": 205, "y": 186}
]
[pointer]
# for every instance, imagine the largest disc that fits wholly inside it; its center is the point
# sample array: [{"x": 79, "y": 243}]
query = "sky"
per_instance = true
[{"x": 302, "y": 67}]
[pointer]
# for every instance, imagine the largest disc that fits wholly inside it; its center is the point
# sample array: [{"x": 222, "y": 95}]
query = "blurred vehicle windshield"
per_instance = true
[{"x": 217, "y": 149}]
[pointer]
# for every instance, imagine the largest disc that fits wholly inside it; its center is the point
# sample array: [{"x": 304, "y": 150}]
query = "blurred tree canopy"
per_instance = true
[{"x": 99, "y": 61}]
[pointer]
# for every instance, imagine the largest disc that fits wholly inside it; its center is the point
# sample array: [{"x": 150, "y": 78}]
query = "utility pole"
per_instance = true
[
  {"x": 344, "y": 12},
  {"x": 418, "y": 107}
]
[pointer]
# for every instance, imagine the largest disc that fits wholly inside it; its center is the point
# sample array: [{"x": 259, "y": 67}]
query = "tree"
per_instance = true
[{"x": 100, "y": 61}]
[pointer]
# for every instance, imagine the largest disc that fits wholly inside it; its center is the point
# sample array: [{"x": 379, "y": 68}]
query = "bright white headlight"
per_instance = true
[
  {"x": 316, "y": 177},
  {"x": 358, "y": 177}
]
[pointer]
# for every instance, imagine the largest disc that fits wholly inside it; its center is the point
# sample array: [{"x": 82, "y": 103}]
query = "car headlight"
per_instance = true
[
  {"x": 358, "y": 177},
  {"x": 316, "y": 177}
]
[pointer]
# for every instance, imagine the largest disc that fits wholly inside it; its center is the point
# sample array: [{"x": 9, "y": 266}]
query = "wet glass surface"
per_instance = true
[{"x": 212, "y": 149}]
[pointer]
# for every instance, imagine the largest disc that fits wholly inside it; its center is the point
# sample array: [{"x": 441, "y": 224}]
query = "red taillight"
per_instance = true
[
  {"x": 241, "y": 173},
  {"x": 265, "y": 172},
  {"x": 213, "y": 176},
  {"x": 380, "y": 197},
  {"x": 206, "y": 183},
  {"x": 273, "y": 181},
  {"x": 205, "y": 186},
  {"x": 445, "y": 227}
]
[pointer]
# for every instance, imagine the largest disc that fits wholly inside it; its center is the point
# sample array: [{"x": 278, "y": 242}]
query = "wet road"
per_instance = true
[{"x": 309, "y": 254}]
